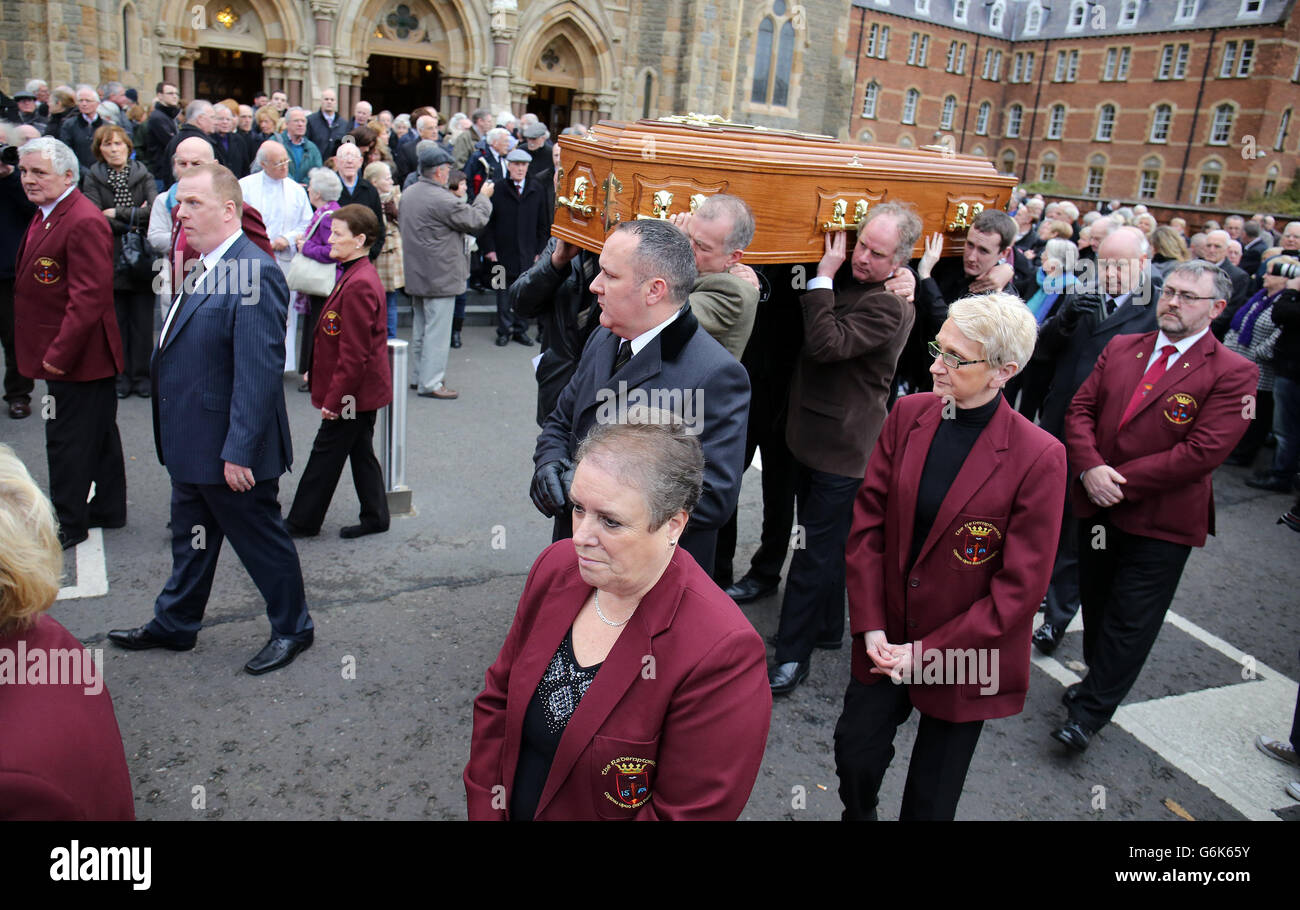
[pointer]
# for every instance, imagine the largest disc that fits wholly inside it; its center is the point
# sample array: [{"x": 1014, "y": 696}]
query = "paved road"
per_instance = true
[{"x": 421, "y": 611}]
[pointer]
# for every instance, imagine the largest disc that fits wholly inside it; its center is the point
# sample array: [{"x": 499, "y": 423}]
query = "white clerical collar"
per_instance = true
[
  {"x": 46, "y": 209},
  {"x": 640, "y": 341}
]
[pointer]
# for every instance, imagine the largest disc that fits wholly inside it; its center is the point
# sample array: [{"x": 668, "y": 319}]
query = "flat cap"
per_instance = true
[
  {"x": 535, "y": 131},
  {"x": 24, "y": 96},
  {"x": 519, "y": 155},
  {"x": 432, "y": 157}
]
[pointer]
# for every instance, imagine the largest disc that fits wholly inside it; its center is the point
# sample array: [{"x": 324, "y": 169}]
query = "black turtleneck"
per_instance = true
[{"x": 952, "y": 443}]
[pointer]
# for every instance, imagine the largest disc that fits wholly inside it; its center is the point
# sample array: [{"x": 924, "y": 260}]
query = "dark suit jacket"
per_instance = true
[
  {"x": 61, "y": 755},
  {"x": 482, "y": 166},
  {"x": 1184, "y": 429},
  {"x": 697, "y": 726},
  {"x": 161, "y": 127},
  {"x": 63, "y": 295},
  {"x": 350, "y": 352},
  {"x": 984, "y": 566},
  {"x": 405, "y": 161},
  {"x": 78, "y": 135},
  {"x": 219, "y": 374},
  {"x": 518, "y": 228},
  {"x": 187, "y": 131},
  {"x": 364, "y": 193},
  {"x": 326, "y": 137},
  {"x": 236, "y": 153},
  {"x": 1252, "y": 253},
  {"x": 841, "y": 382},
  {"x": 682, "y": 361},
  {"x": 1071, "y": 354},
  {"x": 1242, "y": 289}
]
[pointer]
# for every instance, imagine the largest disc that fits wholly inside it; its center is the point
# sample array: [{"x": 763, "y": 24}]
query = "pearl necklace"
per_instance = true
[{"x": 606, "y": 621}]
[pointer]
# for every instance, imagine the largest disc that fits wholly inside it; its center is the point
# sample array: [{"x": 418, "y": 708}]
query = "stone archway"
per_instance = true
[
  {"x": 438, "y": 42},
  {"x": 563, "y": 58},
  {"x": 270, "y": 28}
]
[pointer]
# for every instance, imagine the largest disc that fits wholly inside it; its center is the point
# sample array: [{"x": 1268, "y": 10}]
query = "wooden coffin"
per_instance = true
[{"x": 800, "y": 186}]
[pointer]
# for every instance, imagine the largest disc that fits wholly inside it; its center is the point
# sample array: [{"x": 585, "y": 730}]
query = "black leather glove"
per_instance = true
[
  {"x": 550, "y": 488},
  {"x": 1078, "y": 306}
]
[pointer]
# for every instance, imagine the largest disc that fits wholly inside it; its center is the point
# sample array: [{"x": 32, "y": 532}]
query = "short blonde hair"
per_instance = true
[
  {"x": 31, "y": 561},
  {"x": 1000, "y": 322}
]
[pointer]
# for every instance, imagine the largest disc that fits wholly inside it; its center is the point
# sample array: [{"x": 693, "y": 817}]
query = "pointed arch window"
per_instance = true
[{"x": 774, "y": 58}]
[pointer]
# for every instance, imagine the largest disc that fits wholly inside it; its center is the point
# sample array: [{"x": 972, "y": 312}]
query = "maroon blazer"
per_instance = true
[
  {"x": 1184, "y": 429},
  {"x": 61, "y": 755},
  {"x": 683, "y": 696},
  {"x": 984, "y": 567},
  {"x": 63, "y": 295},
  {"x": 350, "y": 354}
]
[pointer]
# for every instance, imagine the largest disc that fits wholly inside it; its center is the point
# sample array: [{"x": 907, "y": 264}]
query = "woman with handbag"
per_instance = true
[
  {"x": 124, "y": 190},
  {"x": 312, "y": 273},
  {"x": 389, "y": 263}
]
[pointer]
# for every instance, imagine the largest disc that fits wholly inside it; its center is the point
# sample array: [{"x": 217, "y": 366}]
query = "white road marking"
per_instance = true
[
  {"x": 1210, "y": 735},
  {"x": 92, "y": 572}
]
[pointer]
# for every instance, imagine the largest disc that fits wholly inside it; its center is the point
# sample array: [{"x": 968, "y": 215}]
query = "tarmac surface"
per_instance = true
[{"x": 420, "y": 612}]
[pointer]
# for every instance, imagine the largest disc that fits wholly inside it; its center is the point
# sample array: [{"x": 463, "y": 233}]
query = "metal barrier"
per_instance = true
[{"x": 391, "y": 430}]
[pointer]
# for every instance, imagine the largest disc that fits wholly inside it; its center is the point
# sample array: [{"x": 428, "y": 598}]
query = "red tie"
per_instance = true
[{"x": 1148, "y": 381}]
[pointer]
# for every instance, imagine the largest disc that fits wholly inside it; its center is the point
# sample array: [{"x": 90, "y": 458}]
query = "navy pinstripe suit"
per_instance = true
[{"x": 219, "y": 397}]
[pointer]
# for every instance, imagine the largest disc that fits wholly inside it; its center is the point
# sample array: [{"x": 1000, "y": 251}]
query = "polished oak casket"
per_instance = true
[{"x": 799, "y": 186}]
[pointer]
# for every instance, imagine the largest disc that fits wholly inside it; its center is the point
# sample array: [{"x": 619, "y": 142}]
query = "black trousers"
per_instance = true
[
  {"x": 17, "y": 386},
  {"x": 203, "y": 515},
  {"x": 701, "y": 543},
  {"x": 864, "y": 747},
  {"x": 308, "y": 340},
  {"x": 813, "y": 608},
  {"x": 507, "y": 322},
  {"x": 1063, "y": 591},
  {"x": 1259, "y": 428},
  {"x": 135, "y": 322},
  {"x": 338, "y": 441},
  {"x": 82, "y": 446},
  {"x": 1127, "y": 582},
  {"x": 778, "y": 507}
]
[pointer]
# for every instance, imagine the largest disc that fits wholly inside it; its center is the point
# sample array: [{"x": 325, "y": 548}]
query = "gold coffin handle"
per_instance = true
[
  {"x": 578, "y": 202},
  {"x": 839, "y": 210},
  {"x": 661, "y": 202},
  {"x": 965, "y": 215}
]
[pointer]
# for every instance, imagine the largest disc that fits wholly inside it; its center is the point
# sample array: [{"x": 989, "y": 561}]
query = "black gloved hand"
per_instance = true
[
  {"x": 550, "y": 488},
  {"x": 1078, "y": 306}
]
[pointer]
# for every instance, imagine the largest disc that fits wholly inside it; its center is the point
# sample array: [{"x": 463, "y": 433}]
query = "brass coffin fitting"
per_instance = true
[
  {"x": 965, "y": 215},
  {"x": 838, "y": 211},
  {"x": 578, "y": 202},
  {"x": 662, "y": 201}
]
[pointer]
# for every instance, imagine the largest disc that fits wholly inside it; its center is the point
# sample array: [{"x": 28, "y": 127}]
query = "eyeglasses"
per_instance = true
[
  {"x": 952, "y": 361},
  {"x": 1168, "y": 293}
]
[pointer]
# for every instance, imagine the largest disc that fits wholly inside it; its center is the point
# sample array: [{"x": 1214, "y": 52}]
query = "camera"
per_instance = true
[
  {"x": 1284, "y": 269},
  {"x": 9, "y": 155}
]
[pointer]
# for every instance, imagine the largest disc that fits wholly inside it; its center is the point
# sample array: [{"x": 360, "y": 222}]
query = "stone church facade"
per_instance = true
[{"x": 770, "y": 62}]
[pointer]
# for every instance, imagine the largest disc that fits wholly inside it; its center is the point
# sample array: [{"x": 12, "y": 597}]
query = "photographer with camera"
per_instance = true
[
  {"x": 1118, "y": 303},
  {"x": 1282, "y": 278}
]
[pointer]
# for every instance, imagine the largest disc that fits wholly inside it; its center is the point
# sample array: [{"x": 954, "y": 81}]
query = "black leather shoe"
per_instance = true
[
  {"x": 749, "y": 589},
  {"x": 20, "y": 409},
  {"x": 304, "y": 387},
  {"x": 786, "y": 677},
  {"x": 123, "y": 391},
  {"x": 1047, "y": 637},
  {"x": 279, "y": 652},
  {"x": 1291, "y": 518},
  {"x": 522, "y": 338},
  {"x": 503, "y": 340},
  {"x": 142, "y": 639},
  {"x": 296, "y": 531},
  {"x": 455, "y": 339},
  {"x": 1070, "y": 694},
  {"x": 141, "y": 388},
  {"x": 353, "y": 531},
  {"x": 1073, "y": 734},
  {"x": 1270, "y": 483}
]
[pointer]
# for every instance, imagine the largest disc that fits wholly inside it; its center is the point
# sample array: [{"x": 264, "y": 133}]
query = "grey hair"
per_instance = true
[
  {"x": 742, "y": 219},
  {"x": 88, "y": 87},
  {"x": 1195, "y": 268},
  {"x": 653, "y": 452},
  {"x": 112, "y": 88},
  {"x": 662, "y": 251},
  {"x": 496, "y": 133},
  {"x": 1000, "y": 322},
  {"x": 61, "y": 158},
  {"x": 424, "y": 120},
  {"x": 35, "y": 85},
  {"x": 1064, "y": 252},
  {"x": 195, "y": 108},
  {"x": 326, "y": 183},
  {"x": 402, "y": 118},
  {"x": 295, "y": 110},
  {"x": 908, "y": 224}
]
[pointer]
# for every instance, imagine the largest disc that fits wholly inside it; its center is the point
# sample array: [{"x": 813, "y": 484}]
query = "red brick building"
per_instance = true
[{"x": 1171, "y": 101}]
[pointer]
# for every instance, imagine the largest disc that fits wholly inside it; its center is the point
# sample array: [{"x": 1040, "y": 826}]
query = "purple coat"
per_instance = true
[{"x": 316, "y": 245}]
